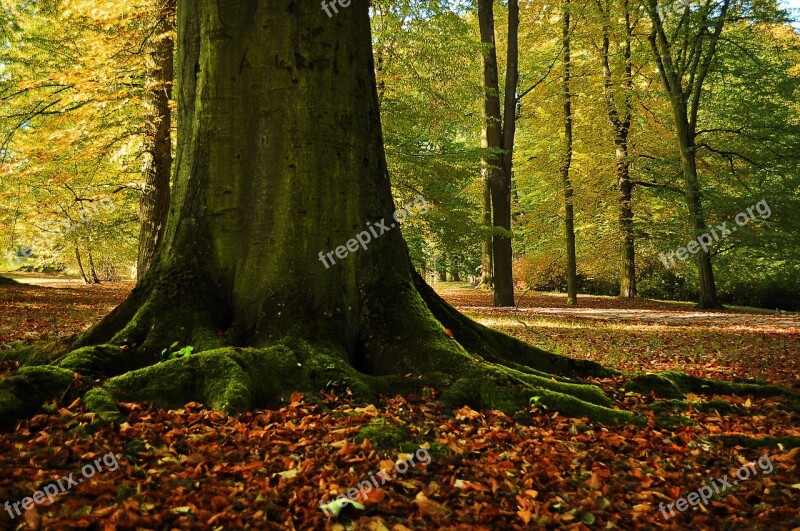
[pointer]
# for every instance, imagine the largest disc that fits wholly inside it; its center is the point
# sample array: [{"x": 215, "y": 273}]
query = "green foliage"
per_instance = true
[{"x": 171, "y": 353}]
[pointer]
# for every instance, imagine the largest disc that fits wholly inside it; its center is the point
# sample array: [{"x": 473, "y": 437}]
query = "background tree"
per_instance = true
[
  {"x": 620, "y": 120},
  {"x": 684, "y": 59},
  {"x": 157, "y": 163},
  {"x": 566, "y": 163},
  {"x": 499, "y": 143}
]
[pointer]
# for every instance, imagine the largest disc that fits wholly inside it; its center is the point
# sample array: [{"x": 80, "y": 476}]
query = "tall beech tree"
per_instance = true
[
  {"x": 280, "y": 156},
  {"x": 566, "y": 161},
  {"x": 498, "y": 140},
  {"x": 620, "y": 116},
  {"x": 684, "y": 44},
  {"x": 157, "y": 163}
]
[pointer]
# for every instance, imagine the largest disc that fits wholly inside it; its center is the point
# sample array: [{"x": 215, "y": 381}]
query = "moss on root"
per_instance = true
[
  {"x": 384, "y": 435},
  {"x": 675, "y": 385},
  {"x": 100, "y": 402},
  {"x": 501, "y": 348},
  {"x": 787, "y": 442},
  {"x": 23, "y": 392},
  {"x": 509, "y": 396},
  {"x": 102, "y": 360},
  {"x": 235, "y": 380}
]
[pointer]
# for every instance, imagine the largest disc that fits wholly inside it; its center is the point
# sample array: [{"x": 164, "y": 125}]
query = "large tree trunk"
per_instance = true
[
  {"x": 566, "y": 182},
  {"x": 280, "y": 164},
  {"x": 157, "y": 163},
  {"x": 498, "y": 179}
]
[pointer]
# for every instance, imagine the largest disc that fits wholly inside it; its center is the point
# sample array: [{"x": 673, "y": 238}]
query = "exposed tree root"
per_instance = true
[
  {"x": 22, "y": 393},
  {"x": 787, "y": 442},
  {"x": 675, "y": 385}
]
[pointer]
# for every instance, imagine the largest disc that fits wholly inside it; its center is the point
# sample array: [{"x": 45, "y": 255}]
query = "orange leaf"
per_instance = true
[{"x": 371, "y": 496}]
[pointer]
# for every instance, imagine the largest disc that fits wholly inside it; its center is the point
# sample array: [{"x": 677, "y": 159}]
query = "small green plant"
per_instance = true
[
  {"x": 534, "y": 402},
  {"x": 170, "y": 353}
]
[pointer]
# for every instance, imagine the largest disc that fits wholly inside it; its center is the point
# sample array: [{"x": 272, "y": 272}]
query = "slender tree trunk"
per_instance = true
[
  {"x": 486, "y": 279},
  {"x": 499, "y": 186},
  {"x": 569, "y": 212},
  {"x": 627, "y": 273},
  {"x": 708, "y": 288},
  {"x": 92, "y": 270},
  {"x": 501, "y": 191},
  {"x": 80, "y": 264},
  {"x": 621, "y": 123},
  {"x": 455, "y": 276},
  {"x": 684, "y": 60},
  {"x": 157, "y": 163}
]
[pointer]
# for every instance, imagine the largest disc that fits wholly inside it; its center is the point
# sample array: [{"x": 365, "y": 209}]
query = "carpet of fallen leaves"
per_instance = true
[
  {"x": 270, "y": 469},
  {"x": 49, "y": 308},
  {"x": 647, "y": 335}
]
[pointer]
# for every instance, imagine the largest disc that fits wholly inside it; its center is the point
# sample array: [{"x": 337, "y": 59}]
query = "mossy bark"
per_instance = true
[{"x": 157, "y": 163}]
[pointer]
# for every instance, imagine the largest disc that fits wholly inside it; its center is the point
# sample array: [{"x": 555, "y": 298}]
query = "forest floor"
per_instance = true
[{"x": 269, "y": 469}]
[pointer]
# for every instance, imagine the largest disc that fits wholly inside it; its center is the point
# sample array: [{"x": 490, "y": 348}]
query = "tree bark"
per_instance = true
[
  {"x": 621, "y": 123},
  {"x": 486, "y": 279},
  {"x": 157, "y": 163},
  {"x": 497, "y": 133},
  {"x": 95, "y": 279},
  {"x": 566, "y": 182},
  {"x": 502, "y": 250},
  {"x": 80, "y": 264}
]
